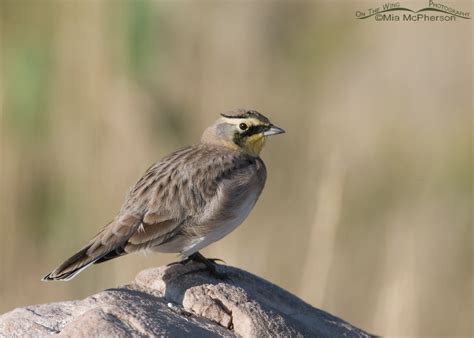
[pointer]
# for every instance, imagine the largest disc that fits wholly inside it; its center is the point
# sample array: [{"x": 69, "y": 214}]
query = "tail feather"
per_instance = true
[
  {"x": 72, "y": 266},
  {"x": 107, "y": 244},
  {"x": 120, "y": 251}
]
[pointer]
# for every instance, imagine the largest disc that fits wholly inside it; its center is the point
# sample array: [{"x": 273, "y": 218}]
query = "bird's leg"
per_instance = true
[
  {"x": 209, "y": 263},
  {"x": 197, "y": 259},
  {"x": 182, "y": 262}
]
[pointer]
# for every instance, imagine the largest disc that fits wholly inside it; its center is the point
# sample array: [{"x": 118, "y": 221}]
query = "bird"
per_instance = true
[{"x": 188, "y": 199}]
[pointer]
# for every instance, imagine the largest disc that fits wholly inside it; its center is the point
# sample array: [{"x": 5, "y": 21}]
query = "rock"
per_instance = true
[{"x": 181, "y": 300}]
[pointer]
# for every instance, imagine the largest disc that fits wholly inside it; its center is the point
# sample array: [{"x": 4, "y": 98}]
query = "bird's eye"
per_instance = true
[{"x": 243, "y": 126}]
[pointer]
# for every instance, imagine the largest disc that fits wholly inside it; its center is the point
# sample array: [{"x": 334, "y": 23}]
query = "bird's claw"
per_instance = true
[{"x": 210, "y": 263}]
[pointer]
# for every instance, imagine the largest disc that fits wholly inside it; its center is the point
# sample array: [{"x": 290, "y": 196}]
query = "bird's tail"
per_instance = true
[
  {"x": 108, "y": 244},
  {"x": 72, "y": 266}
]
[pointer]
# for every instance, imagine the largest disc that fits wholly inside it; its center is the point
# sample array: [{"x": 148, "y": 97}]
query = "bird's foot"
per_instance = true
[
  {"x": 184, "y": 261},
  {"x": 210, "y": 264},
  {"x": 215, "y": 260}
]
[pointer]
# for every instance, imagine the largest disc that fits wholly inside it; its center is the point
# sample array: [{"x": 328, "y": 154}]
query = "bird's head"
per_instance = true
[{"x": 241, "y": 129}]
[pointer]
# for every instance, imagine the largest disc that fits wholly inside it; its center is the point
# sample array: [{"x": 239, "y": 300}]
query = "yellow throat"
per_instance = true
[{"x": 253, "y": 145}]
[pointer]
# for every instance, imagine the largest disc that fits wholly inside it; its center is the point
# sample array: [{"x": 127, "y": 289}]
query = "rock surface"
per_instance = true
[{"x": 181, "y": 300}]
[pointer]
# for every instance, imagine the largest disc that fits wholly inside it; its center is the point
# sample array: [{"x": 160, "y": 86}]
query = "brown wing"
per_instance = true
[{"x": 180, "y": 191}]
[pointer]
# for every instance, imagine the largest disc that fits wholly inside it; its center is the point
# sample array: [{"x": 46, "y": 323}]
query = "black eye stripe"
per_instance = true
[
  {"x": 252, "y": 130},
  {"x": 240, "y": 137}
]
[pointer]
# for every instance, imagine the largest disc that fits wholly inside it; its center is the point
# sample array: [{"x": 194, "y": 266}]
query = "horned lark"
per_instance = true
[{"x": 188, "y": 200}]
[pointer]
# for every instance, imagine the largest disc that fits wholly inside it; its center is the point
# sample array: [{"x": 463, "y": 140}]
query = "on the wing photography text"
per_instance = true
[{"x": 434, "y": 12}]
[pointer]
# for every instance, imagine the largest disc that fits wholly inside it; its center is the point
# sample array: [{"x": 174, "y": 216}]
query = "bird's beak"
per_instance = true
[{"x": 273, "y": 130}]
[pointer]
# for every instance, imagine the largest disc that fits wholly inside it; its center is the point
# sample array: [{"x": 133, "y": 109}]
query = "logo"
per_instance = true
[{"x": 393, "y": 11}]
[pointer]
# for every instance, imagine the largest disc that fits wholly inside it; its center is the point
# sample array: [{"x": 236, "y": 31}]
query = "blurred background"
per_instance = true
[{"x": 367, "y": 211}]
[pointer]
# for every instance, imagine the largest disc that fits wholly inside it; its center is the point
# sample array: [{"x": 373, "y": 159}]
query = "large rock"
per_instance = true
[{"x": 181, "y": 300}]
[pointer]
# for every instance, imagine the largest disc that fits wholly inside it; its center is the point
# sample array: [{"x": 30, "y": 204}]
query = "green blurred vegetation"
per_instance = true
[{"x": 367, "y": 211}]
